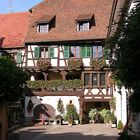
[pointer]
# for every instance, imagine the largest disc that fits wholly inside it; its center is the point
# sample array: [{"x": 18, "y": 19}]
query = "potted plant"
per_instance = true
[
  {"x": 71, "y": 113},
  {"x": 43, "y": 64},
  {"x": 60, "y": 106},
  {"x": 120, "y": 127},
  {"x": 92, "y": 114},
  {"x": 113, "y": 120}
]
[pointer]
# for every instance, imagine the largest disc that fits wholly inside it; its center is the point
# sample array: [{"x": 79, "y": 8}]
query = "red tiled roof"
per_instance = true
[
  {"x": 13, "y": 27},
  {"x": 45, "y": 19},
  {"x": 84, "y": 17},
  {"x": 67, "y": 12}
]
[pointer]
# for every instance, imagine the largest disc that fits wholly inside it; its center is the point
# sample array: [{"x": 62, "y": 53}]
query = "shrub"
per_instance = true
[
  {"x": 75, "y": 63},
  {"x": 120, "y": 125},
  {"x": 43, "y": 64},
  {"x": 92, "y": 113}
]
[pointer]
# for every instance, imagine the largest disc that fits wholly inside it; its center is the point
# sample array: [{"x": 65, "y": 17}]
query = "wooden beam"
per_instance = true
[{"x": 56, "y": 93}]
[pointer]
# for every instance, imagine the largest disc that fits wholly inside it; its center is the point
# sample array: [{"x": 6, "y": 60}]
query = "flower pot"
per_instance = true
[{"x": 113, "y": 125}]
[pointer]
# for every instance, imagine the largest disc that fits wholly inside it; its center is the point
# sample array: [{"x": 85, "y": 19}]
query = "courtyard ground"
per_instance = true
[{"x": 66, "y": 132}]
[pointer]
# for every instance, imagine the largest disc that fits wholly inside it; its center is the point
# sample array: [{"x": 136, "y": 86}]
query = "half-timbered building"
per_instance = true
[
  {"x": 68, "y": 37},
  {"x": 65, "y": 54}
]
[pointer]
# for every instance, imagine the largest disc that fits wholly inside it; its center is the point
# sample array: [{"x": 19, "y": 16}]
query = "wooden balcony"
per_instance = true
[{"x": 55, "y": 88}]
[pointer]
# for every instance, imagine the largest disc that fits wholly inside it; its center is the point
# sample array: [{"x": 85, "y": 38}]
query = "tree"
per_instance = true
[
  {"x": 126, "y": 64},
  {"x": 60, "y": 106},
  {"x": 12, "y": 80}
]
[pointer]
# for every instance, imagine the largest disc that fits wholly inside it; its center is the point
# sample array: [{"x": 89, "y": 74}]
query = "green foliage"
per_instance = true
[
  {"x": 113, "y": 118},
  {"x": 112, "y": 103},
  {"x": 106, "y": 114},
  {"x": 92, "y": 113},
  {"x": 12, "y": 80},
  {"x": 134, "y": 100},
  {"x": 126, "y": 64},
  {"x": 75, "y": 63},
  {"x": 55, "y": 84},
  {"x": 97, "y": 64},
  {"x": 71, "y": 113},
  {"x": 120, "y": 125},
  {"x": 127, "y": 51},
  {"x": 60, "y": 106}
]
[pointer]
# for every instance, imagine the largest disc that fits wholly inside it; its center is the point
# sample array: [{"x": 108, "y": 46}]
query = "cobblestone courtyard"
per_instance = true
[{"x": 66, "y": 132}]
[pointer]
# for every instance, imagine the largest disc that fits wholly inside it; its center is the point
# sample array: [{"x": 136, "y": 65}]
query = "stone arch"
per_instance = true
[{"x": 45, "y": 110}]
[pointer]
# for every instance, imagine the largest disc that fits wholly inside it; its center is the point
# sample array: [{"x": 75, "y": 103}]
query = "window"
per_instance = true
[
  {"x": 86, "y": 79},
  {"x": 44, "y": 52},
  {"x": 102, "y": 79},
  {"x": 43, "y": 28},
  {"x": 97, "y": 51},
  {"x": 75, "y": 51},
  {"x": 85, "y": 21},
  {"x": 85, "y": 51},
  {"x": 94, "y": 79},
  {"x": 83, "y": 26}
]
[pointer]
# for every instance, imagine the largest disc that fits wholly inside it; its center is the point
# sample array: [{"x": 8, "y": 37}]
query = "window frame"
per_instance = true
[
  {"x": 90, "y": 84},
  {"x": 39, "y": 25},
  {"x": 81, "y": 26}
]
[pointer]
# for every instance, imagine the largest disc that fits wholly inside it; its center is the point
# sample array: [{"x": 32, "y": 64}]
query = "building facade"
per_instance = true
[{"x": 65, "y": 55}]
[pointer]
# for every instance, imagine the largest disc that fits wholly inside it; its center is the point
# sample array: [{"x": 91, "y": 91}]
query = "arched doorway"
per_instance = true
[{"x": 45, "y": 110}]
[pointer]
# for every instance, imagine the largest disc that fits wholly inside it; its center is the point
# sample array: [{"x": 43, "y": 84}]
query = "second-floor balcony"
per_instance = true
[{"x": 55, "y": 85}]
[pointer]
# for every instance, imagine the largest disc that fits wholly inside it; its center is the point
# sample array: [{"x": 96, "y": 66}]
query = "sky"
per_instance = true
[{"x": 17, "y": 5}]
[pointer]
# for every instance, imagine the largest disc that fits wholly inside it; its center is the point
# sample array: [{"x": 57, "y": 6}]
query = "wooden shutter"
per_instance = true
[
  {"x": 88, "y": 51},
  {"x": 82, "y": 51},
  {"x": 51, "y": 52},
  {"x": 66, "y": 51},
  {"x": 37, "y": 52},
  {"x": 19, "y": 57}
]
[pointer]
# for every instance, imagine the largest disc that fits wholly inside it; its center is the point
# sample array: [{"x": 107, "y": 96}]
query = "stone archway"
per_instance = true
[{"x": 45, "y": 110}]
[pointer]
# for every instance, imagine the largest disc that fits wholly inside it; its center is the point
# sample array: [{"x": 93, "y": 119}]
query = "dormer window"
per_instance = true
[
  {"x": 83, "y": 26},
  {"x": 45, "y": 23},
  {"x": 43, "y": 28},
  {"x": 84, "y": 22}
]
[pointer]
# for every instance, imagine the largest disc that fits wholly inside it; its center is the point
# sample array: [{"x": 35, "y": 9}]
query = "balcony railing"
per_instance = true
[{"x": 55, "y": 85}]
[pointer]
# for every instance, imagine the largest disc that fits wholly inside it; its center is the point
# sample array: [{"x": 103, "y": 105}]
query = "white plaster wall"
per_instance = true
[
  {"x": 95, "y": 91},
  {"x": 54, "y": 62},
  {"x": 86, "y": 62},
  {"x": 121, "y": 104},
  {"x": 51, "y": 100}
]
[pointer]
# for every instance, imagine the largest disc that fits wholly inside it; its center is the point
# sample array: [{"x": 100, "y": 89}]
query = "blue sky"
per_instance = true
[{"x": 17, "y": 5}]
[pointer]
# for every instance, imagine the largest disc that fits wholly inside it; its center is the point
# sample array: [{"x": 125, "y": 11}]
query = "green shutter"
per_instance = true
[
  {"x": 82, "y": 51},
  {"x": 19, "y": 57},
  {"x": 88, "y": 51},
  {"x": 51, "y": 52},
  {"x": 66, "y": 51},
  {"x": 37, "y": 52}
]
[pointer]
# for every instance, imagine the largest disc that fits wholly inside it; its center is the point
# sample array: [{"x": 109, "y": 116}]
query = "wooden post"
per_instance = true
[
  {"x": 3, "y": 121},
  {"x": 81, "y": 109},
  {"x": 45, "y": 75},
  {"x": 64, "y": 73}
]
